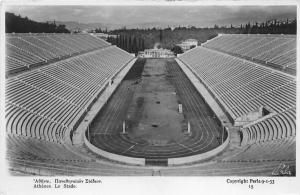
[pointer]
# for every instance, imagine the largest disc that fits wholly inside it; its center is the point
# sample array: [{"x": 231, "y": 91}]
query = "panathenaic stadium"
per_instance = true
[{"x": 77, "y": 105}]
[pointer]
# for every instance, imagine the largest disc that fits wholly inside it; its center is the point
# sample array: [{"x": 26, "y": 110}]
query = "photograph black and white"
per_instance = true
[{"x": 150, "y": 90}]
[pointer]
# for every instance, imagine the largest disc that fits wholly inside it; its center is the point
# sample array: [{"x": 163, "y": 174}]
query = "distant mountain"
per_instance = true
[
  {"x": 18, "y": 24},
  {"x": 70, "y": 25}
]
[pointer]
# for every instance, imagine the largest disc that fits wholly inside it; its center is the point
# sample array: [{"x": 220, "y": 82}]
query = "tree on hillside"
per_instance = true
[
  {"x": 177, "y": 50},
  {"x": 170, "y": 37},
  {"x": 160, "y": 35},
  {"x": 131, "y": 44},
  {"x": 18, "y": 24},
  {"x": 193, "y": 46}
]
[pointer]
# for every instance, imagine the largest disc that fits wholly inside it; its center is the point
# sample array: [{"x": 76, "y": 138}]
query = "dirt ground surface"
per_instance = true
[
  {"x": 147, "y": 102},
  {"x": 153, "y": 113}
]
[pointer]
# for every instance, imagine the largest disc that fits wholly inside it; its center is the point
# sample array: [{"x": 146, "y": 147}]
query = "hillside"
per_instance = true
[
  {"x": 18, "y": 24},
  {"x": 170, "y": 37}
]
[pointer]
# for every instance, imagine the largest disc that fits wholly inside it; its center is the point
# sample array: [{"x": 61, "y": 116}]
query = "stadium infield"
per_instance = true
[{"x": 147, "y": 100}]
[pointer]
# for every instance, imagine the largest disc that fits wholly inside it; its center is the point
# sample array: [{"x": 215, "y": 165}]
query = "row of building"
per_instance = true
[
  {"x": 157, "y": 52},
  {"x": 165, "y": 53}
]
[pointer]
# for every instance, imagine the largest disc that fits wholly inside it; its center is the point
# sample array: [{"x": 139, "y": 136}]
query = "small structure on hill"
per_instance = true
[
  {"x": 104, "y": 36},
  {"x": 188, "y": 44}
]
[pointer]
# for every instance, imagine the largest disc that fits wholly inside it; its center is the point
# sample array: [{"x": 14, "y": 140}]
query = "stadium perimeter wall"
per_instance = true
[
  {"x": 171, "y": 161},
  {"x": 112, "y": 156},
  {"x": 200, "y": 157},
  {"x": 98, "y": 101},
  {"x": 222, "y": 116},
  {"x": 108, "y": 92}
]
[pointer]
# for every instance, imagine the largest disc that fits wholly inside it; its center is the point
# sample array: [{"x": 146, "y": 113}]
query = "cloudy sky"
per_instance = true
[{"x": 194, "y": 15}]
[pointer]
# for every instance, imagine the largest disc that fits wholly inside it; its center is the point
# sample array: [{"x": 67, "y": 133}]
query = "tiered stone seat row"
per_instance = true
[
  {"x": 48, "y": 158},
  {"x": 280, "y": 126},
  {"x": 240, "y": 85},
  {"x": 238, "y": 168},
  {"x": 27, "y": 148},
  {"x": 275, "y": 49},
  {"x": 33, "y": 49},
  {"x": 36, "y": 49},
  {"x": 14, "y": 64},
  {"x": 22, "y": 56},
  {"x": 45, "y": 158},
  {"x": 37, "y": 114},
  {"x": 280, "y": 149},
  {"x": 44, "y": 102}
]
